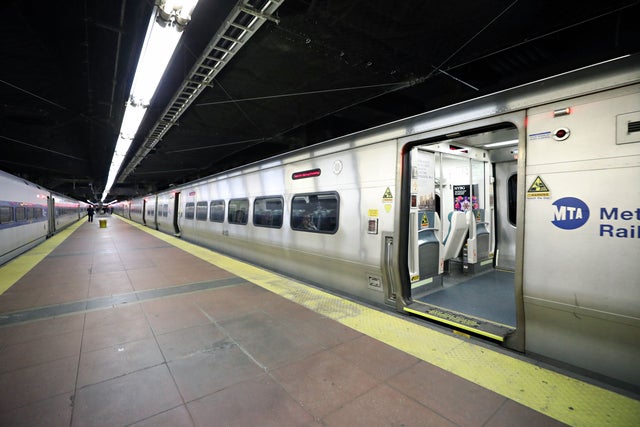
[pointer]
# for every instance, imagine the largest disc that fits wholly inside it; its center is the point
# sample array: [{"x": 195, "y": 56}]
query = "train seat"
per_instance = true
[
  {"x": 478, "y": 234},
  {"x": 471, "y": 223},
  {"x": 455, "y": 235},
  {"x": 484, "y": 242},
  {"x": 429, "y": 246}
]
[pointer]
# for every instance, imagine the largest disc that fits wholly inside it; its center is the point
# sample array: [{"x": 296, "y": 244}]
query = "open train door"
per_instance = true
[{"x": 451, "y": 190}]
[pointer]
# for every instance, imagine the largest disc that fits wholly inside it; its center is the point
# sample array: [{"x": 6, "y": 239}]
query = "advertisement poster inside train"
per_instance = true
[
  {"x": 463, "y": 199},
  {"x": 423, "y": 181}
]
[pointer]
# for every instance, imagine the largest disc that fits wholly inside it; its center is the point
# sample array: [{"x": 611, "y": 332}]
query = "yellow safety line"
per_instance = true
[
  {"x": 558, "y": 396},
  {"x": 13, "y": 271}
]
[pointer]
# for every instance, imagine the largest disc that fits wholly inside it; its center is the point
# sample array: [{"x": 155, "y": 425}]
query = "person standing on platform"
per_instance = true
[{"x": 90, "y": 212}]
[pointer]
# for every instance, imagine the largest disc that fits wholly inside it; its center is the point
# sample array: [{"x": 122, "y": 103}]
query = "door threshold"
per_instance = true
[{"x": 486, "y": 328}]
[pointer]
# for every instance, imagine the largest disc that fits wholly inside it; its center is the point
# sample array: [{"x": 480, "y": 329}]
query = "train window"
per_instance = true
[
  {"x": 512, "y": 198},
  {"x": 201, "y": 211},
  {"x": 216, "y": 211},
  {"x": 316, "y": 212},
  {"x": 165, "y": 210},
  {"x": 189, "y": 210},
  {"x": 6, "y": 214},
  {"x": 238, "y": 211},
  {"x": 21, "y": 213},
  {"x": 267, "y": 212}
]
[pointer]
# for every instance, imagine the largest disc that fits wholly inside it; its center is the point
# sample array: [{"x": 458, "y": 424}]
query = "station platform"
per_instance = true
[{"x": 122, "y": 325}]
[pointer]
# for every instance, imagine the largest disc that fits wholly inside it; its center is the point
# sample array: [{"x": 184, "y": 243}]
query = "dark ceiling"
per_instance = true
[{"x": 319, "y": 70}]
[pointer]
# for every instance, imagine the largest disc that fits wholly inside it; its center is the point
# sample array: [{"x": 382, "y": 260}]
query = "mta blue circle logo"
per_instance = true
[{"x": 570, "y": 213}]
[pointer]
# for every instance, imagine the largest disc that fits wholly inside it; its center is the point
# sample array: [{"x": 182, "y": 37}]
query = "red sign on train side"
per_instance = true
[{"x": 311, "y": 173}]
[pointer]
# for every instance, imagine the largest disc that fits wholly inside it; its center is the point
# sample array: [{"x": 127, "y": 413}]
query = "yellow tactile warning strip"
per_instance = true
[
  {"x": 12, "y": 271},
  {"x": 564, "y": 398}
]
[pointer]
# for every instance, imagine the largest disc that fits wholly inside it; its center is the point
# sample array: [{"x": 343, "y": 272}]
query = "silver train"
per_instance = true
[
  {"x": 514, "y": 216},
  {"x": 29, "y": 214}
]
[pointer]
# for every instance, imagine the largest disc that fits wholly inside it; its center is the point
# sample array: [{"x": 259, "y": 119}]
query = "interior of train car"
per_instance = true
[{"x": 462, "y": 231}]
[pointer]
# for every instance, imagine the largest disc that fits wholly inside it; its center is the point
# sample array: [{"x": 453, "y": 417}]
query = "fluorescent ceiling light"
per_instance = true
[
  {"x": 133, "y": 115},
  {"x": 157, "y": 50},
  {"x": 165, "y": 27},
  {"x": 501, "y": 144}
]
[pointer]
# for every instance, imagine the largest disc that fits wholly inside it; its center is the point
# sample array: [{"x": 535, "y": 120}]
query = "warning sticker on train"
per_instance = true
[
  {"x": 538, "y": 190},
  {"x": 387, "y": 200}
]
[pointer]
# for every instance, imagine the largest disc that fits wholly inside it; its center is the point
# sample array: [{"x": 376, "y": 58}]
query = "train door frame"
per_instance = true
[
  {"x": 51, "y": 205},
  {"x": 502, "y": 199},
  {"x": 176, "y": 206},
  {"x": 155, "y": 212},
  {"x": 401, "y": 274}
]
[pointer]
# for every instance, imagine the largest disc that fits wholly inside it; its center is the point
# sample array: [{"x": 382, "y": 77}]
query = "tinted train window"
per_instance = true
[
  {"x": 512, "y": 198},
  {"x": 238, "y": 211},
  {"x": 6, "y": 214},
  {"x": 201, "y": 211},
  {"x": 21, "y": 213},
  {"x": 189, "y": 210},
  {"x": 267, "y": 212},
  {"x": 216, "y": 211},
  {"x": 317, "y": 212},
  {"x": 37, "y": 212}
]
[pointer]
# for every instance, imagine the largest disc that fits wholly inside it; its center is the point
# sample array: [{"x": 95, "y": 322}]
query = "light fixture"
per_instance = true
[
  {"x": 168, "y": 20},
  {"x": 501, "y": 143}
]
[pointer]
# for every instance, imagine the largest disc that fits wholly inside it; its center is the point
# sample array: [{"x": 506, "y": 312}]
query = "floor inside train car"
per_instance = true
[
  {"x": 489, "y": 295},
  {"x": 125, "y": 326}
]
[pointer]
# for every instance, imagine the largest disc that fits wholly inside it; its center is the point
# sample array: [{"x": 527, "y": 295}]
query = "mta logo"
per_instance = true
[{"x": 570, "y": 213}]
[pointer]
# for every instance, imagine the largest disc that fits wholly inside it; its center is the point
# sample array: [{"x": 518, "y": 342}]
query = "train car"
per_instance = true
[
  {"x": 165, "y": 219},
  {"x": 513, "y": 216},
  {"x": 122, "y": 209},
  {"x": 29, "y": 214},
  {"x": 137, "y": 209},
  {"x": 64, "y": 211},
  {"x": 23, "y": 216}
]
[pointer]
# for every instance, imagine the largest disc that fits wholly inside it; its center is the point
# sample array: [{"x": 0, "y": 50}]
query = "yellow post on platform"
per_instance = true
[{"x": 103, "y": 223}]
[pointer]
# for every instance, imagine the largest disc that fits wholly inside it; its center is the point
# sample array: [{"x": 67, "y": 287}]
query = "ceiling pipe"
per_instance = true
[{"x": 114, "y": 80}]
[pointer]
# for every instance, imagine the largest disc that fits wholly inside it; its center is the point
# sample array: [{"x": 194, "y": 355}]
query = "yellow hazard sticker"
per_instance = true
[
  {"x": 387, "y": 200},
  {"x": 538, "y": 190}
]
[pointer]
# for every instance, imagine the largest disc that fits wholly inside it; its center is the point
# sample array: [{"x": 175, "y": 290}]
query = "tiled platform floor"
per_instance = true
[{"x": 231, "y": 355}]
